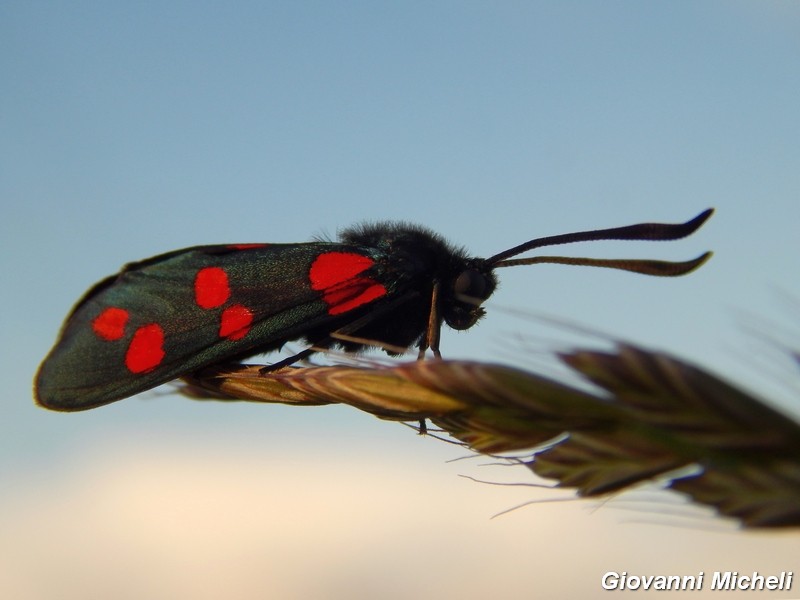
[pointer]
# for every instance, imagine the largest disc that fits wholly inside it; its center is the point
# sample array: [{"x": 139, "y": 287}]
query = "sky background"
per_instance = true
[{"x": 130, "y": 129}]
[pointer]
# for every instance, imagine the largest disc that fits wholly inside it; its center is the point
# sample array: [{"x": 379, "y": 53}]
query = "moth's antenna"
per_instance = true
[
  {"x": 642, "y": 231},
  {"x": 659, "y": 268}
]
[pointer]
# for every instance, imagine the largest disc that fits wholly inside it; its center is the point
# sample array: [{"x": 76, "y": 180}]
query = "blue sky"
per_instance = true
[{"x": 129, "y": 129}]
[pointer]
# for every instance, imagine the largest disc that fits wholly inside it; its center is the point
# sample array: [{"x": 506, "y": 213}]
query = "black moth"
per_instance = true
[{"x": 389, "y": 284}]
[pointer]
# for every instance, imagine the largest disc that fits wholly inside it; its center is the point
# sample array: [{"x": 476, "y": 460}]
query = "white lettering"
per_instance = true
[
  {"x": 757, "y": 580},
  {"x": 611, "y": 580},
  {"x": 722, "y": 581},
  {"x": 732, "y": 580}
]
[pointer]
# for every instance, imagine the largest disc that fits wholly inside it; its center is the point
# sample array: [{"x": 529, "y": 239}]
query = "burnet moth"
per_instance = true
[{"x": 388, "y": 284}]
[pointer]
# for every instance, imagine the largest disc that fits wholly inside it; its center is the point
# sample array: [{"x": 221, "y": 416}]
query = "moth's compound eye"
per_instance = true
[{"x": 471, "y": 286}]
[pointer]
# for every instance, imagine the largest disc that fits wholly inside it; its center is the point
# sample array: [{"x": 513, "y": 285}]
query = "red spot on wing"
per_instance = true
[
  {"x": 146, "y": 350},
  {"x": 110, "y": 324},
  {"x": 335, "y": 274},
  {"x": 211, "y": 288},
  {"x": 333, "y": 268},
  {"x": 352, "y": 294},
  {"x": 235, "y": 322},
  {"x": 246, "y": 246}
]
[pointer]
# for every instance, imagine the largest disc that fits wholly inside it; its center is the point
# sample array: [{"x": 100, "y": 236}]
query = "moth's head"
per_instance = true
[
  {"x": 474, "y": 281},
  {"x": 464, "y": 294}
]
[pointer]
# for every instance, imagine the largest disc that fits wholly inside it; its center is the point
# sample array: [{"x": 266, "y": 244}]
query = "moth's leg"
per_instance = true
[
  {"x": 431, "y": 339},
  {"x": 343, "y": 332},
  {"x": 434, "y": 328}
]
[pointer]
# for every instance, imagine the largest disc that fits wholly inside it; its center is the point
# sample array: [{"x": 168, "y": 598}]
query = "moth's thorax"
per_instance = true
[{"x": 423, "y": 258}]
